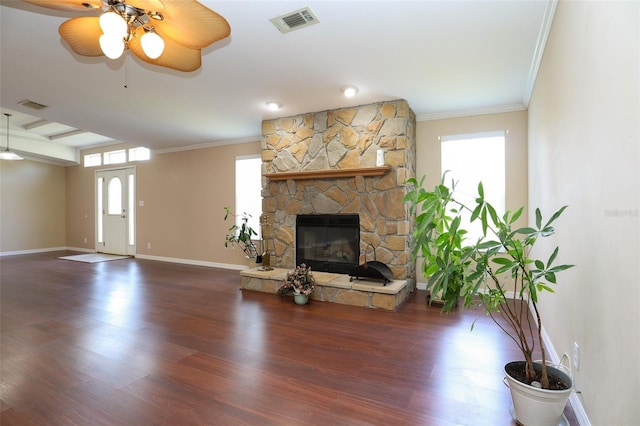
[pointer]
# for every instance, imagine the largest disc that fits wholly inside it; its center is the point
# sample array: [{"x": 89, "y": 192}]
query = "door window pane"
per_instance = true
[
  {"x": 100, "y": 208},
  {"x": 114, "y": 202},
  {"x": 132, "y": 221}
]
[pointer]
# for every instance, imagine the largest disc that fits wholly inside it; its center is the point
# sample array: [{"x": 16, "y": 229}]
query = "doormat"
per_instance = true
[{"x": 93, "y": 257}]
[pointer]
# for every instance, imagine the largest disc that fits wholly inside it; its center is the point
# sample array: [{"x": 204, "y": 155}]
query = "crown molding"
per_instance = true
[
  {"x": 208, "y": 145},
  {"x": 471, "y": 112},
  {"x": 543, "y": 36}
]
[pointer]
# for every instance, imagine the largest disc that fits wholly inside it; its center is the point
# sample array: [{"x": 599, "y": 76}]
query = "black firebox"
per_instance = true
[{"x": 328, "y": 242}]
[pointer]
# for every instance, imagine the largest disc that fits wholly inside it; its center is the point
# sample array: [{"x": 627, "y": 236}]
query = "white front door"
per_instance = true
[{"x": 114, "y": 211}]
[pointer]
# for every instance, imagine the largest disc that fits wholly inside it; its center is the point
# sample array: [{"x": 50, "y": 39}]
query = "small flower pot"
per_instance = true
[{"x": 300, "y": 299}]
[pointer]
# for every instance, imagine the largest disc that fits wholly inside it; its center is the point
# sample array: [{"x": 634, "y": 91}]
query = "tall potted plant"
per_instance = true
[
  {"x": 498, "y": 273},
  {"x": 242, "y": 236}
]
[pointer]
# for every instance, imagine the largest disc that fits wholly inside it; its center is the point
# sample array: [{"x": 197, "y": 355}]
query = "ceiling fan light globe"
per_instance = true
[
  {"x": 112, "y": 46},
  {"x": 152, "y": 44},
  {"x": 112, "y": 23}
]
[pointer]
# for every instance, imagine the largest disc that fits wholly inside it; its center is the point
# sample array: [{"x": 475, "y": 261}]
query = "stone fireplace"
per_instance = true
[{"x": 325, "y": 163}]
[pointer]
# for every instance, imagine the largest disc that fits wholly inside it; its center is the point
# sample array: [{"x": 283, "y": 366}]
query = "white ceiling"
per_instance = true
[{"x": 446, "y": 58}]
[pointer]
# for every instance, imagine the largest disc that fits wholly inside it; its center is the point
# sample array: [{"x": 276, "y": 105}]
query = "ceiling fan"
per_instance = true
[{"x": 168, "y": 33}]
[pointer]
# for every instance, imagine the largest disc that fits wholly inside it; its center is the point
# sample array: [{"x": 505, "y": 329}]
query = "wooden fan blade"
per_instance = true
[
  {"x": 71, "y": 5},
  {"x": 83, "y": 35},
  {"x": 148, "y": 5},
  {"x": 191, "y": 24},
  {"x": 174, "y": 56}
]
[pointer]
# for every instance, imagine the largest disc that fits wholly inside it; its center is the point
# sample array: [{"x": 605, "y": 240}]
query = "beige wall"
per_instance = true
[
  {"x": 584, "y": 152},
  {"x": 428, "y": 153},
  {"x": 32, "y": 206},
  {"x": 80, "y": 207},
  {"x": 183, "y": 193}
]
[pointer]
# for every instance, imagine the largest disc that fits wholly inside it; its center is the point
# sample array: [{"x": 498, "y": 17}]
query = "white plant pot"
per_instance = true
[{"x": 533, "y": 406}]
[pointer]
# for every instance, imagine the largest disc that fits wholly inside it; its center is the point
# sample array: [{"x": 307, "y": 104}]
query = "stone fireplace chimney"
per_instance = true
[{"x": 325, "y": 163}]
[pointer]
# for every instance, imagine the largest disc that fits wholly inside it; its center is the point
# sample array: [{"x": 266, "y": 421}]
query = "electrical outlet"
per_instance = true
[
  {"x": 576, "y": 356},
  {"x": 148, "y": 246},
  {"x": 85, "y": 240}
]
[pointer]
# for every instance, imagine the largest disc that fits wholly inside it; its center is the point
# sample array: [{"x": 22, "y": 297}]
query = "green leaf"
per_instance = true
[
  {"x": 476, "y": 212},
  {"x": 548, "y": 230},
  {"x": 509, "y": 267},
  {"x": 542, "y": 287},
  {"x": 431, "y": 269},
  {"x": 552, "y": 257},
  {"x": 442, "y": 191},
  {"x": 486, "y": 245},
  {"x": 483, "y": 217},
  {"x": 414, "y": 181},
  {"x": 560, "y": 268},
  {"x": 526, "y": 231},
  {"x": 481, "y": 190},
  {"x": 538, "y": 218},
  {"x": 493, "y": 214},
  {"x": 555, "y": 216},
  {"x": 516, "y": 215}
]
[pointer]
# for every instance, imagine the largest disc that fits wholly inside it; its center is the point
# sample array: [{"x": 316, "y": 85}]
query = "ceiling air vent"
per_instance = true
[
  {"x": 294, "y": 20},
  {"x": 32, "y": 104}
]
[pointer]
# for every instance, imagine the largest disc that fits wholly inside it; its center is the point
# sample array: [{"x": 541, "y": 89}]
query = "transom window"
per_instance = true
[
  {"x": 139, "y": 154},
  {"x": 91, "y": 160},
  {"x": 117, "y": 157}
]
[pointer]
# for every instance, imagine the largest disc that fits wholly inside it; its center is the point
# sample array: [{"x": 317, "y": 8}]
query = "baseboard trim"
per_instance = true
[
  {"x": 32, "y": 251},
  {"x": 80, "y": 249},
  {"x": 192, "y": 262},
  {"x": 138, "y": 256},
  {"x": 574, "y": 399}
]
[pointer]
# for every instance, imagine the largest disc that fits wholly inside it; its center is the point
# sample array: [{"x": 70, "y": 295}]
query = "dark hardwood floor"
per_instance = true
[{"x": 135, "y": 342}]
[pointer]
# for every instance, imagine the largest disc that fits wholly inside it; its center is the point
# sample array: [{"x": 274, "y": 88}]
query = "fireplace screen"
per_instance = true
[{"x": 328, "y": 243}]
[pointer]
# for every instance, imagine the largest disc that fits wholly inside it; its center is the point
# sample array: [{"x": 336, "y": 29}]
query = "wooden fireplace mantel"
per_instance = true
[{"x": 329, "y": 174}]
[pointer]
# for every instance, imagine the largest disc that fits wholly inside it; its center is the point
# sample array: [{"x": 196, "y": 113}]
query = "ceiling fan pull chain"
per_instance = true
[{"x": 126, "y": 70}]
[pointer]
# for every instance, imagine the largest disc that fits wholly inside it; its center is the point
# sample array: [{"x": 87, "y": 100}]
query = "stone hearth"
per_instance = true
[{"x": 336, "y": 288}]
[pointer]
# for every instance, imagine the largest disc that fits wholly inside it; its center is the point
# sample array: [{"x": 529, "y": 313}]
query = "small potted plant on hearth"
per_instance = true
[
  {"x": 300, "y": 282},
  {"x": 498, "y": 273},
  {"x": 242, "y": 236}
]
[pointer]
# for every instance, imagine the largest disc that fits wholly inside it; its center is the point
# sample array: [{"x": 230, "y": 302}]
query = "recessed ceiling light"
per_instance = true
[
  {"x": 349, "y": 91},
  {"x": 273, "y": 106}
]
